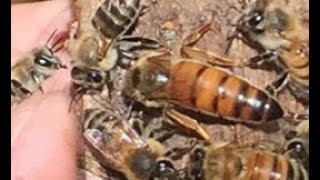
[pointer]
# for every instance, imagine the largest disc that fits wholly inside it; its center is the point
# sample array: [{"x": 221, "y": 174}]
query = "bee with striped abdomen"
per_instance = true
[
  {"x": 33, "y": 69},
  {"x": 99, "y": 40},
  {"x": 197, "y": 85},
  {"x": 117, "y": 146},
  {"x": 208, "y": 163},
  {"x": 269, "y": 26},
  {"x": 297, "y": 145},
  {"x": 215, "y": 91}
]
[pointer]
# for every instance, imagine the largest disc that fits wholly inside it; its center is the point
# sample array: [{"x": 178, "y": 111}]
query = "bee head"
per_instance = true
[
  {"x": 46, "y": 62},
  {"x": 149, "y": 79},
  {"x": 88, "y": 78},
  {"x": 262, "y": 16},
  {"x": 164, "y": 170}
]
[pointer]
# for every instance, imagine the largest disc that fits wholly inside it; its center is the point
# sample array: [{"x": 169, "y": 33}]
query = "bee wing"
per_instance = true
[
  {"x": 188, "y": 123},
  {"x": 114, "y": 145}
]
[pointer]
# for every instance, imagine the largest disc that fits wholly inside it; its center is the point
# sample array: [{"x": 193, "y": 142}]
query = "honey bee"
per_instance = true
[
  {"x": 100, "y": 39},
  {"x": 270, "y": 27},
  {"x": 208, "y": 163},
  {"x": 198, "y": 86},
  {"x": 33, "y": 69},
  {"x": 297, "y": 145},
  {"x": 88, "y": 166},
  {"x": 119, "y": 147}
]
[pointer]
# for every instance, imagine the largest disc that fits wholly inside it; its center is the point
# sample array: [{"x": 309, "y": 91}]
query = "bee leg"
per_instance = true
[
  {"x": 295, "y": 118},
  {"x": 301, "y": 92},
  {"x": 162, "y": 135},
  {"x": 146, "y": 6},
  {"x": 63, "y": 66},
  {"x": 18, "y": 91},
  {"x": 138, "y": 126},
  {"x": 37, "y": 80},
  {"x": 231, "y": 38},
  {"x": 159, "y": 130},
  {"x": 76, "y": 96},
  {"x": 89, "y": 164},
  {"x": 110, "y": 86},
  {"x": 300, "y": 117},
  {"x": 278, "y": 84},
  {"x": 128, "y": 55},
  {"x": 262, "y": 58},
  {"x": 195, "y": 36},
  {"x": 177, "y": 153},
  {"x": 188, "y": 123},
  {"x": 41, "y": 89},
  {"x": 188, "y": 51},
  {"x": 129, "y": 42}
]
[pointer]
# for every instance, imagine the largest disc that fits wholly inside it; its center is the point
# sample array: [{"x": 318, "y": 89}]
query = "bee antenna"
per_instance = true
[
  {"x": 53, "y": 46},
  {"x": 104, "y": 105},
  {"x": 296, "y": 118},
  {"x": 129, "y": 113},
  {"x": 181, "y": 172},
  {"x": 58, "y": 49},
  {"x": 234, "y": 34},
  {"x": 51, "y": 36},
  {"x": 76, "y": 96}
]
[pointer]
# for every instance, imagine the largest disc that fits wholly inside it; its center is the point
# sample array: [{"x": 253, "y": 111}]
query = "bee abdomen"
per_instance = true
[
  {"x": 269, "y": 166},
  {"x": 266, "y": 166},
  {"x": 297, "y": 63},
  {"x": 93, "y": 118},
  {"x": 17, "y": 89},
  {"x": 113, "y": 20},
  {"x": 217, "y": 92}
]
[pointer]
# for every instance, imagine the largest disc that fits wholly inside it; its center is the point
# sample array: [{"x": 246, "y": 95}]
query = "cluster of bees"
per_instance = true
[{"x": 136, "y": 93}]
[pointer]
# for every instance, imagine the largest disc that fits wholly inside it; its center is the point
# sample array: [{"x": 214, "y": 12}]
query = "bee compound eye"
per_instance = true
[
  {"x": 43, "y": 61},
  {"x": 198, "y": 155},
  {"x": 256, "y": 18},
  {"x": 95, "y": 76},
  {"x": 296, "y": 146},
  {"x": 164, "y": 166},
  {"x": 75, "y": 71}
]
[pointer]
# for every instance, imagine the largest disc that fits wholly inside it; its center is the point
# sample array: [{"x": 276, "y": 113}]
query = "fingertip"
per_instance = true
[
  {"x": 32, "y": 23},
  {"x": 44, "y": 146}
]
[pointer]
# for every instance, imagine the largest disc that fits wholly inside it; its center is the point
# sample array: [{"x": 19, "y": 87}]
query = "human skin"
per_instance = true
[{"x": 43, "y": 131}]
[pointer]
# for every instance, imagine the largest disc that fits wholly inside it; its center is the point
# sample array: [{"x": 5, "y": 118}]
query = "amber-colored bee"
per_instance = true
[
  {"x": 117, "y": 146},
  {"x": 90, "y": 168},
  {"x": 33, "y": 69},
  {"x": 100, "y": 38},
  {"x": 271, "y": 27},
  {"x": 214, "y": 91},
  {"x": 242, "y": 164},
  {"x": 196, "y": 85}
]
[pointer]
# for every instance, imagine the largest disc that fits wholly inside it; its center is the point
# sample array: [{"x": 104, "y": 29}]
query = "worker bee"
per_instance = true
[
  {"x": 99, "y": 39},
  {"x": 198, "y": 86},
  {"x": 209, "y": 163},
  {"x": 89, "y": 166},
  {"x": 270, "y": 27},
  {"x": 33, "y": 69},
  {"x": 297, "y": 145},
  {"x": 117, "y": 146}
]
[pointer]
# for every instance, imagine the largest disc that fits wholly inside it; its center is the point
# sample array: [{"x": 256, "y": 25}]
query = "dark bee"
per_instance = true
[
  {"x": 33, "y": 69},
  {"x": 100, "y": 39},
  {"x": 297, "y": 145},
  {"x": 242, "y": 164},
  {"x": 117, "y": 146},
  {"x": 270, "y": 27}
]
